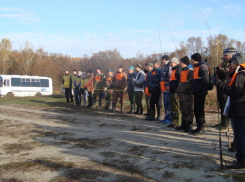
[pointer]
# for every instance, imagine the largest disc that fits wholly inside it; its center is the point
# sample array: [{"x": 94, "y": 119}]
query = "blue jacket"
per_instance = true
[{"x": 165, "y": 74}]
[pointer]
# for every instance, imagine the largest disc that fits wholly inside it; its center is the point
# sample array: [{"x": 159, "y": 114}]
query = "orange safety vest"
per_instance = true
[
  {"x": 119, "y": 76},
  {"x": 235, "y": 74},
  {"x": 108, "y": 79},
  {"x": 183, "y": 76},
  {"x": 173, "y": 77},
  {"x": 97, "y": 78},
  {"x": 196, "y": 73}
]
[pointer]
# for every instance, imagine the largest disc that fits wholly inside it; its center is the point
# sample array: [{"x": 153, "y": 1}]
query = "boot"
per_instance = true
[
  {"x": 152, "y": 117},
  {"x": 141, "y": 111},
  {"x": 149, "y": 115},
  {"x": 131, "y": 107},
  {"x": 187, "y": 126},
  {"x": 121, "y": 108},
  {"x": 137, "y": 112},
  {"x": 100, "y": 102},
  {"x": 182, "y": 126},
  {"x": 114, "y": 107},
  {"x": 93, "y": 103},
  {"x": 199, "y": 130},
  {"x": 158, "y": 114},
  {"x": 107, "y": 106},
  {"x": 237, "y": 165}
]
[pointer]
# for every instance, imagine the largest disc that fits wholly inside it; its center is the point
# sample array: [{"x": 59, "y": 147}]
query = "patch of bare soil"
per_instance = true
[{"x": 66, "y": 145}]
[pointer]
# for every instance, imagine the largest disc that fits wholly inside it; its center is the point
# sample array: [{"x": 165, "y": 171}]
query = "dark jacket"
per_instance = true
[
  {"x": 154, "y": 79},
  {"x": 130, "y": 87},
  {"x": 200, "y": 79},
  {"x": 173, "y": 84},
  {"x": 237, "y": 95}
]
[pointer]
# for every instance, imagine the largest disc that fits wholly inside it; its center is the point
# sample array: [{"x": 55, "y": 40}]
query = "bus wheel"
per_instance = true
[
  {"x": 10, "y": 94},
  {"x": 38, "y": 94}
]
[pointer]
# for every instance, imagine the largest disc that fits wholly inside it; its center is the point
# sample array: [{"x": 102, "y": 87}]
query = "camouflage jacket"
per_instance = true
[
  {"x": 154, "y": 79},
  {"x": 119, "y": 81},
  {"x": 186, "y": 81},
  {"x": 166, "y": 74}
]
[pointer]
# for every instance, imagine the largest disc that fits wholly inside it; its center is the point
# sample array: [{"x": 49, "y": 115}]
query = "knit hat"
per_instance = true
[
  {"x": 238, "y": 58},
  {"x": 130, "y": 68},
  {"x": 146, "y": 64},
  {"x": 139, "y": 66},
  {"x": 185, "y": 60},
  {"x": 229, "y": 51},
  {"x": 165, "y": 57},
  {"x": 110, "y": 71},
  {"x": 150, "y": 64},
  {"x": 98, "y": 68},
  {"x": 174, "y": 60},
  {"x": 196, "y": 57},
  {"x": 74, "y": 70},
  {"x": 89, "y": 71},
  {"x": 80, "y": 72},
  {"x": 120, "y": 66},
  {"x": 157, "y": 61}
]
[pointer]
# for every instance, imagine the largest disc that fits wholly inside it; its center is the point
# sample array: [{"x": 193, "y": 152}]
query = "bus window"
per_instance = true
[
  {"x": 16, "y": 82},
  {"x": 28, "y": 79},
  {"x": 1, "y": 81},
  {"x": 33, "y": 80},
  {"x": 44, "y": 83}
]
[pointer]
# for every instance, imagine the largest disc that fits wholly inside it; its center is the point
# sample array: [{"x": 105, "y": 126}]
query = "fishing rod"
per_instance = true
[
  {"x": 172, "y": 38},
  {"x": 159, "y": 38},
  {"x": 220, "y": 142}
]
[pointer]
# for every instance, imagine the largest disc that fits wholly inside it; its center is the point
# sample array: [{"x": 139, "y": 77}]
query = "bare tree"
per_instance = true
[
  {"x": 5, "y": 51},
  {"x": 27, "y": 56}
]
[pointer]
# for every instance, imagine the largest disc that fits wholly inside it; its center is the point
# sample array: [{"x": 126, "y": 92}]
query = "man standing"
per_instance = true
[
  {"x": 173, "y": 85},
  {"x": 130, "y": 89},
  {"x": 223, "y": 72},
  {"x": 153, "y": 88},
  {"x": 200, "y": 84},
  {"x": 184, "y": 92},
  {"x": 119, "y": 82},
  {"x": 138, "y": 82},
  {"x": 109, "y": 89},
  {"x": 99, "y": 84},
  {"x": 166, "y": 72},
  {"x": 67, "y": 85},
  {"x": 147, "y": 95},
  {"x": 73, "y": 79},
  {"x": 236, "y": 91}
]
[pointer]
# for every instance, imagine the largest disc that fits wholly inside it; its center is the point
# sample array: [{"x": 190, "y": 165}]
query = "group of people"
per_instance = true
[{"x": 181, "y": 85}]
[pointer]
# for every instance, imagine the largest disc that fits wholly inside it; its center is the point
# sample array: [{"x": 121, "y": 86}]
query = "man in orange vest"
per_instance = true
[
  {"x": 184, "y": 92},
  {"x": 173, "y": 85},
  {"x": 119, "y": 82},
  {"x": 236, "y": 91},
  {"x": 200, "y": 90},
  {"x": 99, "y": 84}
]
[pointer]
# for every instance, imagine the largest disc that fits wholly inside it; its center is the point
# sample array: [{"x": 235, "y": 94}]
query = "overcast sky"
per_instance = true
[{"x": 68, "y": 26}]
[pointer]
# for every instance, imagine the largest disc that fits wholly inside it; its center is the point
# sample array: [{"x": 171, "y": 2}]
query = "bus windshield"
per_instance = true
[{"x": 1, "y": 81}]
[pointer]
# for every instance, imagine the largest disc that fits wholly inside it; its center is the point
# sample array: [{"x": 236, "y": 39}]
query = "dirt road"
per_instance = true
[{"x": 62, "y": 144}]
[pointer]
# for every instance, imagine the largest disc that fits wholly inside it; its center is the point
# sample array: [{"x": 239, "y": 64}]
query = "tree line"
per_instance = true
[{"x": 27, "y": 61}]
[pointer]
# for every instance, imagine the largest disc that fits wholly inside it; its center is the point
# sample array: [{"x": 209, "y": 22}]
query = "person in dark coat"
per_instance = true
[
  {"x": 236, "y": 91},
  {"x": 130, "y": 89},
  {"x": 200, "y": 90}
]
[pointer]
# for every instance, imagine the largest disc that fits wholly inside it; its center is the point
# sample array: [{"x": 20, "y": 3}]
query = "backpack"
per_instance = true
[{"x": 210, "y": 85}]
